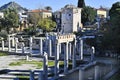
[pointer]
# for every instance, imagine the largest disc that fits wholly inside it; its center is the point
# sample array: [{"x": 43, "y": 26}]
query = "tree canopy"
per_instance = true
[
  {"x": 111, "y": 36},
  {"x": 46, "y": 24},
  {"x": 81, "y": 3},
  {"x": 12, "y": 16},
  {"x": 10, "y": 20},
  {"x": 34, "y": 18},
  {"x": 88, "y": 14},
  {"x": 48, "y": 8}
]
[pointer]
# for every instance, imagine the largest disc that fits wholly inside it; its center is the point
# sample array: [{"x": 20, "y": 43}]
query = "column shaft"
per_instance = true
[
  {"x": 97, "y": 75},
  {"x": 50, "y": 48},
  {"x": 60, "y": 48},
  {"x": 16, "y": 42},
  {"x": 81, "y": 46},
  {"x": 66, "y": 58},
  {"x": 2, "y": 45},
  {"x": 70, "y": 55},
  {"x": 40, "y": 76},
  {"x": 31, "y": 75},
  {"x": 9, "y": 44},
  {"x": 23, "y": 50},
  {"x": 45, "y": 66},
  {"x": 16, "y": 47},
  {"x": 13, "y": 42},
  {"x": 81, "y": 74},
  {"x": 74, "y": 55},
  {"x": 41, "y": 46},
  {"x": 57, "y": 60},
  {"x": 30, "y": 45}
]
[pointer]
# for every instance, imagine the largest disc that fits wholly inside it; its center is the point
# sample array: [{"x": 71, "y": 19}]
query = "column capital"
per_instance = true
[{"x": 67, "y": 42}]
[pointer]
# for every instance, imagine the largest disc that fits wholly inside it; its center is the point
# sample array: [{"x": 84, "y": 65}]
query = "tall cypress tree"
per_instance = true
[{"x": 81, "y": 3}]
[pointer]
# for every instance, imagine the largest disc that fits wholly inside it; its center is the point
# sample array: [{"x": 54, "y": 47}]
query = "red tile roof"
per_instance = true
[{"x": 38, "y": 10}]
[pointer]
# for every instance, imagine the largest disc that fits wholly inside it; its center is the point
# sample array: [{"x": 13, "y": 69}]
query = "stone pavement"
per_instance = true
[
  {"x": 109, "y": 66},
  {"x": 6, "y": 60}
]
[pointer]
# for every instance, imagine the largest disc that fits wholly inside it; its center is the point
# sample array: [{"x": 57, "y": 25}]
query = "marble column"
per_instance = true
[
  {"x": 97, "y": 73},
  {"x": 92, "y": 54},
  {"x": 74, "y": 55},
  {"x": 40, "y": 76},
  {"x": 9, "y": 43},
  {"x": 93, "y": 49},
  {"x": 81, "y": 48},
  {"x": 30, "y": 44},
  {"x": 60, "y": 51},
  {"x": 50, "y": 48},
  {"x": 23, "y": 50},
  {"x": 66, "y": 58},
  {"x": 2, "y": 45},
  {"x": 81, "y": 74},
  {"x": 45, "y": 66},
  {"x": 41, "y": 46},
  {"x": 70, "y": 54},
  {"x": 13, "y": 41},
  {"x": 31, "y": 75},
  {"x": 27, "y": 57},
  {"x": 16, "y": 44},
  {"x": 56, "y": 59}
]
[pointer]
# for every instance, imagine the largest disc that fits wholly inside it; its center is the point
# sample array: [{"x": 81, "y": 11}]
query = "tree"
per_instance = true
[
  {"x": 111, "y": 36},
  {"x": 81, "y": 3},
  {"x": 48, "y": 8},
  {"x": 34, "y": 18},
  {"x": 115, "y": 24},
  {"x": 88, "y": 14},
  {"x": 46, "y": 24},
  {"x": 11, "y": 19},
  {"x": 2, "y": 23}
]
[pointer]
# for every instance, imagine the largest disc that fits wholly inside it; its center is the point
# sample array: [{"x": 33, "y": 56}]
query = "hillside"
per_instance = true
[{"x": 12, "y": 5}]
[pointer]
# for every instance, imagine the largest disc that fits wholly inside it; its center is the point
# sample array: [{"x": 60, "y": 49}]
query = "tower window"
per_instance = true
[{"x": 69, "y": 14}]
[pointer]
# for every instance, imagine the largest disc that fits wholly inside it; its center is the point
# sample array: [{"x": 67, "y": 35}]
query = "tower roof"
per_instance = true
[{"x": 70, "y": 6}]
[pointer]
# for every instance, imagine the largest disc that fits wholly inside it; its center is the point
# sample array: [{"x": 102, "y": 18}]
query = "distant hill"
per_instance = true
[{"x": 12, "y": 5}]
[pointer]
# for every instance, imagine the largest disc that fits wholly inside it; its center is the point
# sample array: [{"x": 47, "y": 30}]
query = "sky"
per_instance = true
[{"x": 58, "y": 4}]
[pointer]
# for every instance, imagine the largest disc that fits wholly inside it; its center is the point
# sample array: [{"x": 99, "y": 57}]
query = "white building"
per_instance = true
[
  {"x": 23, "y": 16},
  {"x": 71, "y": 19},
  {"x": 41, "y": 12},
  {"x": 1, "y": 15},
  {"x": 102, "y": 12}
]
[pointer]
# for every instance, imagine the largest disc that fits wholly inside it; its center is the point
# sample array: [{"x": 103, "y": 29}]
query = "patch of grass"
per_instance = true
[
  {"x": 20, "y": 62},
  {"x": 3, "y": 54},
  {"x": 61, "y": 62},
  {"x": 23, "y": 77},
  {"x": 38, "y": 64},
  {"x": 51, "y": 63},
  {"x": 15, "y": 64}
]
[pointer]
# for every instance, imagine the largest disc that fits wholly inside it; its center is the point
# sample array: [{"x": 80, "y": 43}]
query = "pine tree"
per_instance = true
[{"x": 81, "y": 3}]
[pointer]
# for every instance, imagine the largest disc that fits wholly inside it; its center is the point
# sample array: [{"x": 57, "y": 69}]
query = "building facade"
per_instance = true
[
  {"x": 23, "y": 16},
  {"x": 71, "y": 19},
  {"x": 1, "y": 15},
  {"x": 102, "y": 13},
  {"x": 42, "y": 13}
]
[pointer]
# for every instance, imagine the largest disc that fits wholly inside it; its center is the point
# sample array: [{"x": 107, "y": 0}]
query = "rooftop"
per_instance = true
[
  {"x": 102, "y": 9},
  {"x": 39, "y": 10}
]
